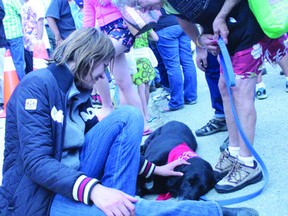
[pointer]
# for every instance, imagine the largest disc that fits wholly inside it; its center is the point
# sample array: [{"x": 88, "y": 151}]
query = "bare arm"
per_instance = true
[
  {"x": 40, "y": 28},
  {"x": 219, "y": 25},
  {"x": 55, "y": 30},
  {"x": 152, "y": 36}
]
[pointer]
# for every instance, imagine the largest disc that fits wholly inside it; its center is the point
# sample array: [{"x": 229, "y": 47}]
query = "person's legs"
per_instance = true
[
  {"x": 188, "y": 68},
  {"x": 16, "y": 47},
  {"x": 283, "y": 63},
  {"x": 217, "y": 123},
  {"x": 112, "y": 148},
  {"x": 28, "y": 61},
  {"x": 168, "y": 47}
]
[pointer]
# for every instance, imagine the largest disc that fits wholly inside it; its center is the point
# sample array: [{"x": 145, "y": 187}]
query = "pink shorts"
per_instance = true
[{"x": 248, "y": 63}]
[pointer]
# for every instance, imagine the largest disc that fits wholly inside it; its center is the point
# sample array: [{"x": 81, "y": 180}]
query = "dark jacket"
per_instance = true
[
  {"x": 3, "y": 42},
  {"x": 30, "y": 169}
]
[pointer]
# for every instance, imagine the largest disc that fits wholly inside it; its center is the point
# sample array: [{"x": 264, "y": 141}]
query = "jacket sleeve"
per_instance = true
[
  {"x": 37, "y": 141},
  {"x": 89, "y": 14},
  {"x": 146, "y": 168}
]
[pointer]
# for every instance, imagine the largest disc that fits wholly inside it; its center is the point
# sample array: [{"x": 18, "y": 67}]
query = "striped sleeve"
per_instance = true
[
  {"x": 83, "y": 187},
  {"x": 147, "y": 169}
]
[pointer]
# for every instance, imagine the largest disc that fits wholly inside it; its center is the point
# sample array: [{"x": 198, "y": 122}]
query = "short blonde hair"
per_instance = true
[{"x": 87, "y": 48}]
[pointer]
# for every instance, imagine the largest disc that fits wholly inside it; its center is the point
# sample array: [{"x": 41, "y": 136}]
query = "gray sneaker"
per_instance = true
[
  {"x": 239, "y": 177},
  {"x": 224, "y": 165},
  {"x": 213, "y": 126}
]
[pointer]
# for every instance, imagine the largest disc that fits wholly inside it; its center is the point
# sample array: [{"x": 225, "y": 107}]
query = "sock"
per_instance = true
[
  {"x": 260, "y": 85},
  {"x": 248, "y": 161},
  {"x": 234, "y": 151}
]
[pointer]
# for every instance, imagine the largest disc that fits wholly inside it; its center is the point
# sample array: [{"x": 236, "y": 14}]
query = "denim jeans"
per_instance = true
[
  {"x": 212, "y": 75},
  {"x": 174, "y": 47},
  {"x": 111, "y": 153},
  {"x": 160, "y": 67},
  {"x": 64, "y": 206},
  {"x": 16, "y": 47}
]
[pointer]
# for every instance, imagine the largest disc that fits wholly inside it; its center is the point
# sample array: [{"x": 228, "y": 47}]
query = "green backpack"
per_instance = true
[{"x": 272, "y": 16}]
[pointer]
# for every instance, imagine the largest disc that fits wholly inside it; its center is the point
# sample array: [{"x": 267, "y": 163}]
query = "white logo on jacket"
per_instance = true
[
  {"x": 90, "y": 114},
  {"x": 30, "y": 104},
  {"x": 57, "y": 115}
]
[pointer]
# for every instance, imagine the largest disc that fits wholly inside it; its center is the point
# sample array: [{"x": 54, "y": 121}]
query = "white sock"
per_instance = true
[
  {"x": 260, "y": 85},
  {"x": 248, "y": 161},
  {"x": 234, "y": 151}
]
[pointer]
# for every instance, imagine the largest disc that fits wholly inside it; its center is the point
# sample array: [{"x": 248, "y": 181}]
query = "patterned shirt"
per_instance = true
[{"x": 12, "y": 20}]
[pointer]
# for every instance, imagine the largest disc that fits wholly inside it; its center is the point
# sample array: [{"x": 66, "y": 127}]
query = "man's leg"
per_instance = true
[
  {"x": 188, "y": 68},
  {"x": 218, "y": 122},
  {"x": 168, "y": 47},
  {"x": 16, "y": 47}
]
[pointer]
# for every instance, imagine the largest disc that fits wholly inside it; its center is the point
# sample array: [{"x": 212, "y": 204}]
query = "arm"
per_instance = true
[
  {"x": 40, "y": 28},
  {"x": 152, "y": 35},
  {"x": 53, "y": 25},
  {"x": 203, "y": 41},
  {"x": 89, "y": 14},
  {"x": 219, "y": 24}
]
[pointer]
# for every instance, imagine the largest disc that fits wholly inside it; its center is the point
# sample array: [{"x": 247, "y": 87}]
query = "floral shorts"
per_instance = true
[
  {"x": 119, "y": 30},
  {"x": 249, "y": 63}
]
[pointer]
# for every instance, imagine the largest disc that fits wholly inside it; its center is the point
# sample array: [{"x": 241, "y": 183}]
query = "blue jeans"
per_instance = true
[
  {"x": 212, "y": 75},
  {"x": 143, "y": 207},
  {"x": 16, "y": 47},
  {"x": 111, "y": 153},
  {"x": 160, "y": 67},
  {"x": 174, "y": 47}
]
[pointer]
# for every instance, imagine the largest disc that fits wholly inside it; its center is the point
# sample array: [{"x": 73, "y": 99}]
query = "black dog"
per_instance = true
[{"x": 160, "y": 146}]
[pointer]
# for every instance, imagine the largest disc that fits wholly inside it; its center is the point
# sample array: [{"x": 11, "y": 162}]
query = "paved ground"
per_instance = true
[{"x": 271, "y": 140}]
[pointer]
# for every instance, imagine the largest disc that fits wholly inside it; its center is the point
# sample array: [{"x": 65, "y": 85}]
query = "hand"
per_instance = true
[
  {"x": 201, "y": 58},
  {"x": 168, "y": 169},
  {"x": 208, "y": 42},
  {"x": 113, "y": 202},
  {"x": 220, "y": 29}
]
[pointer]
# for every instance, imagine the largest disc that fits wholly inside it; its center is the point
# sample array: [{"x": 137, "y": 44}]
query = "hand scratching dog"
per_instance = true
[{"x": 172, "y": 141}]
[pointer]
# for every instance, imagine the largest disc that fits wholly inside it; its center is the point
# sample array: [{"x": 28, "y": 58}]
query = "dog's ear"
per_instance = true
[{"x": 173, "y": 185}]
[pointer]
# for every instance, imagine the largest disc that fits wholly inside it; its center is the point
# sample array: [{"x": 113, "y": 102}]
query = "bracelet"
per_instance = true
[{"x": 198, "y": 42}]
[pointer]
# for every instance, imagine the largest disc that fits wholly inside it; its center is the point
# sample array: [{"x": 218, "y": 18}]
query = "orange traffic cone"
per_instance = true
[
  {"x": 40, "y": 55},
  {"x": 11, "y": 79}
]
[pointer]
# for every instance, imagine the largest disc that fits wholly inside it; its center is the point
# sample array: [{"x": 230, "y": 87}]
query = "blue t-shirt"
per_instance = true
[{"x": 60, "y": 10}]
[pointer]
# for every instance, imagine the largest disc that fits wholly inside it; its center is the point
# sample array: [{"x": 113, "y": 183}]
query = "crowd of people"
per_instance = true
[{"x": 61, "y": 158}]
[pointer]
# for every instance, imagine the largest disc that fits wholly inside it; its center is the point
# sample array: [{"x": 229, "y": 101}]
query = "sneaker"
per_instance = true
[
  {"x": 224, "y": 165},
  {"x": 213, "y": 126},
  {"x": 224, "y": 145},
  {"x": 239, "y": 177},
  {"x": 191, "y": 102},
  {"x": 261, "y": 94}
]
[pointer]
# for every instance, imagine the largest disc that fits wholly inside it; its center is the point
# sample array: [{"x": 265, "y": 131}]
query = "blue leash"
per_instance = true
[{"x": 229, "y": 77}]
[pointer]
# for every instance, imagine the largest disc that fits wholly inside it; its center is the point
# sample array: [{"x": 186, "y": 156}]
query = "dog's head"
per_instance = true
[{"x": 197, "y": 180}]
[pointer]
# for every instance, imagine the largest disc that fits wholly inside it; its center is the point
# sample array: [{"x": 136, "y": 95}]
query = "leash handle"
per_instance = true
[{"x": 229, "y": 76}]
